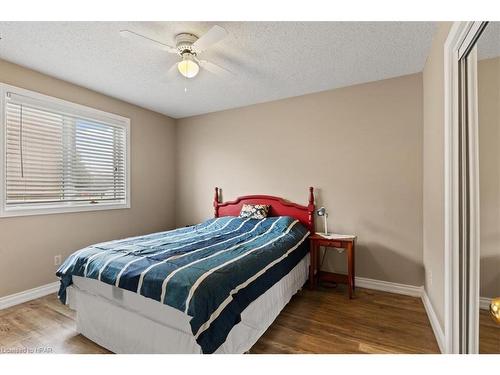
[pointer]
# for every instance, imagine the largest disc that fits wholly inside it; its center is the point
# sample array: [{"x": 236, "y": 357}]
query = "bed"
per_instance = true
[{"x": 214, "y": 287}]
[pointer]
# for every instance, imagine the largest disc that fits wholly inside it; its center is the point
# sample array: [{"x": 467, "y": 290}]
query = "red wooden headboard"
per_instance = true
[{"x": 279, "y": 207}]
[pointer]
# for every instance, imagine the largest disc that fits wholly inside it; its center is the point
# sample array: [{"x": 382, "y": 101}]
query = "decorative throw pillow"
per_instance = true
[{"x": 254, "y": 211}]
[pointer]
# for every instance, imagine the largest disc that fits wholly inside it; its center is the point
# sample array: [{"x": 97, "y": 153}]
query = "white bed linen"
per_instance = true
[{"x": 125, "y": 322}]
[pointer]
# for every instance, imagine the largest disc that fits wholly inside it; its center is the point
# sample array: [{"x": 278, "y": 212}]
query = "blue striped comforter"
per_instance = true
[{"x": 211, "y": 271}]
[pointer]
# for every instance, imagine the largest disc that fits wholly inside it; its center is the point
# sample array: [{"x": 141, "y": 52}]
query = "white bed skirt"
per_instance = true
[{"x": 125, "y": 322}]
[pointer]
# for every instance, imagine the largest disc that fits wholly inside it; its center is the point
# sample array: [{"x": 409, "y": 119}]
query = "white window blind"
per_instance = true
[{"x": 57, "y": 154}]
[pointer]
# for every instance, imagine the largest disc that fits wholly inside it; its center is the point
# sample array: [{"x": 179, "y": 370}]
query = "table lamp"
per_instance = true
[{"x": 322, "y": 212}]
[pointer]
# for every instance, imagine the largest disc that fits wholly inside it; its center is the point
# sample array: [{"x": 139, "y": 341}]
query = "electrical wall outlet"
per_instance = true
[
  {"x": 429, "y": 278},
  {"x": 57, "y": 260}
]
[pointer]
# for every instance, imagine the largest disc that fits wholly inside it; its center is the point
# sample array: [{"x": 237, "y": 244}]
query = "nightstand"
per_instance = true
[{"x": 338, "y": 241}]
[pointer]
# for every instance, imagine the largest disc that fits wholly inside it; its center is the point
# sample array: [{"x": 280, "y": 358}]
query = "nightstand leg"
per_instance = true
[
  {"x": 316, "y": 265},
  {"x": 354, "y": 265},
  {"x": 350, "y": 269},
  {"x": 316, "y": 269}
]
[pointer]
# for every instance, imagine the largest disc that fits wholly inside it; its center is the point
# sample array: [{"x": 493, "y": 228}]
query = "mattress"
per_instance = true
[
  {"x": 126, "y": 322},
  {"x": 211, "y": 272}
]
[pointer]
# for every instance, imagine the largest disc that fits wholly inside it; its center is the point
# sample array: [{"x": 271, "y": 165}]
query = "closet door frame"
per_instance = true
[{"x": 461, "y": 185}]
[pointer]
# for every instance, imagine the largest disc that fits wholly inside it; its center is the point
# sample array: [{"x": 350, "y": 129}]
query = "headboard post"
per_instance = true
[
  {"x": 310, "y": 208},
  {"x": 216, "y": 202}
]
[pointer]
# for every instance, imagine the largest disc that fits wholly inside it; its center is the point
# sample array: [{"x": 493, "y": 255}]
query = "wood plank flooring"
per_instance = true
[
  {"x": 325, "y": 321},
  {"x": 320, "y": 321},
  {"x": 489, "y": 334},
  {"x": 43, "y": 325}
]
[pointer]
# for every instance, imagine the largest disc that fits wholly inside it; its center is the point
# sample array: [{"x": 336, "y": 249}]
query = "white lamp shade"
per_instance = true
[
  {"x": 188, "y": 67},
  {"x": 321, "y": 211}
]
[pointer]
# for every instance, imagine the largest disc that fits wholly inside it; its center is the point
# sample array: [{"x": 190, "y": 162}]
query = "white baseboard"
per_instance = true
[
  {"x": 484, "y": 303},
  {"x": 362, "y": 282},
  {"x": 28, "y": 295},
  {"x": 408, "y": 290},
  {"x": 386, "y": 286},
  {"x": 436, "y": 326}
]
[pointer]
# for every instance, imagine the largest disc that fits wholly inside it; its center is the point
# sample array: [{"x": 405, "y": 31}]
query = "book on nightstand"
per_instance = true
[{"x": 336, "y": 236}]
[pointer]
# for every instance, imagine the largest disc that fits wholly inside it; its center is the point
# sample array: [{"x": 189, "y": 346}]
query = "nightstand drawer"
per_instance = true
[{"x": 330, "y": 243}]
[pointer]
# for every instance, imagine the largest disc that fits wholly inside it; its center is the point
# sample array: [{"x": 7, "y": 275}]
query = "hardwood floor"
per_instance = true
[
  {"x": 320, "y": 321},
  {"x": 43, "y": 325},
  {"x": 489, "y": 334},
  {"x": 325, "y": 321}
]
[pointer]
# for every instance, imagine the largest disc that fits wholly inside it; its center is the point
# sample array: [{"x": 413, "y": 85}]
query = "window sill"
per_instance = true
[{"x": 47, "y": 210}]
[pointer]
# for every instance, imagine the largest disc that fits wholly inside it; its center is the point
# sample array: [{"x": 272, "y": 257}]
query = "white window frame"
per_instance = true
[{"x": 63, "y": 207}]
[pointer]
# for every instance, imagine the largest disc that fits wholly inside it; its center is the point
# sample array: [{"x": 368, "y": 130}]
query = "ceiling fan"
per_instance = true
[{"x": 188, "y": 47}]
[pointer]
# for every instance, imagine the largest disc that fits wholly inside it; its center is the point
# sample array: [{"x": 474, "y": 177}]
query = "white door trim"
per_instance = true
[
  {"x": 434, "y": 321},
  {"x": 459, "y": 41},
  {"x": 475, "y": 234}
]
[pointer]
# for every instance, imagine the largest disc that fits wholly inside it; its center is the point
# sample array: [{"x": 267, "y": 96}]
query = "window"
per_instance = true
[{"x": 60, "y": 157}]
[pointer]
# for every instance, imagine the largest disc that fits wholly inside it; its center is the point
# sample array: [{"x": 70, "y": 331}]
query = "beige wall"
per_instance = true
[
  {"x": 433, "y": 175},
  {"x": 489, "y": 178},
  {"x": 28, "y": 244},
  {"x": 360, "y": 146}
]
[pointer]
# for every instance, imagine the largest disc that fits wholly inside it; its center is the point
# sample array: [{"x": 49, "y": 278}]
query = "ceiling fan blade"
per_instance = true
[
  {"x": 147, "y": 41},
  {"x": 212, "y": 36},
  {"x": 173, "y": 72},
  {"x": 216, "y": 69}
]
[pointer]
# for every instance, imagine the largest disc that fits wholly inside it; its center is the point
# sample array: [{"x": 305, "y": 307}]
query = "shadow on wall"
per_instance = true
[
  {"x": 490, "y": 276},
  {"x": 384, "y": 260},
  {"x": 377, "y": 261},
  {"x": 391, "y": 259},
  {"x": 319, "y": 225}
]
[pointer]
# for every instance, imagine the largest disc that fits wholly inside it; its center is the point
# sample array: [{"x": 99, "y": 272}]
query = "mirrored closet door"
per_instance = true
[
  {"x": 488, "y": 111},
  {"x": 472, "y": 188}
]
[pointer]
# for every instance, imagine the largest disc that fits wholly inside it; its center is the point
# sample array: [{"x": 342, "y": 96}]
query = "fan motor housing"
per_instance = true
[{"x": 184, "y": 42}]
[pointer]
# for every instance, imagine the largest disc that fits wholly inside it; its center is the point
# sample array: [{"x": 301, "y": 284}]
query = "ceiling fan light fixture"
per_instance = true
[{"x": 188, "y": 67}]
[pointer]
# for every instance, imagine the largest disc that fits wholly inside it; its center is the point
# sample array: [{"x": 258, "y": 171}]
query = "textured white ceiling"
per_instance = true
[
  {"x": 488, "y": 45},
  {"x": 272, "y": 60}
]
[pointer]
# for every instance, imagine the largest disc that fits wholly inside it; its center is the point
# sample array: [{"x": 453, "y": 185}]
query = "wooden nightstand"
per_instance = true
[{"x": 339, "y": 241}]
